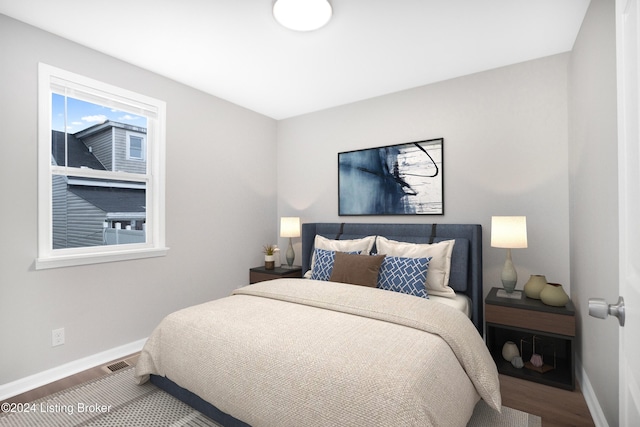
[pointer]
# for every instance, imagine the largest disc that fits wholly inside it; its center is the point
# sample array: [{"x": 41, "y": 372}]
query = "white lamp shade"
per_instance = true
[
  {"x": 509, "y": 232},
  {"x": 289, "y": 226},
  {"x": 302, "y": 15}
]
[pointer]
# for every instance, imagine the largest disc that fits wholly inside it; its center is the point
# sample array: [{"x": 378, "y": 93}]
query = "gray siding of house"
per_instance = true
[
  {"x": 59, "y": 212},
  {"x": 101, "y": 147},
  {"x": 87, "y": 222}
]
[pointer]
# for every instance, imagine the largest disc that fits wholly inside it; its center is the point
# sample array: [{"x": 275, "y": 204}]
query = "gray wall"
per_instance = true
[
  {"x": 593, "y": 170},
  {"x": 505, "y": 153},
  {"x": 221, "y": 209}
]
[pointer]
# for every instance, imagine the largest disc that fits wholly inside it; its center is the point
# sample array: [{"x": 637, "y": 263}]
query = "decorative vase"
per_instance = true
[
  {"x": 276, "y": 256},
  {"x": 534, "y": 286},
  {"x": 553, "y": 294},
  {"x": 510, "y": 350},
  {"x": 269, "y": 262}
]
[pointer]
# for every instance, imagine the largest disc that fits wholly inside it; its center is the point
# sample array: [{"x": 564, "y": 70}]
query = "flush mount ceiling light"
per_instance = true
[{"x": 302, "y": 15}]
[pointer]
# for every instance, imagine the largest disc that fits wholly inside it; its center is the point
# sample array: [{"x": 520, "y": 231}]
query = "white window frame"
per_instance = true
[
  {"x": 52, "y": 79},
  {"x": 143, "y": 137}
]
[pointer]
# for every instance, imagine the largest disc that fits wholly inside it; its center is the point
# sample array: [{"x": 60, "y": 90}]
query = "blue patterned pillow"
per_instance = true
[
  {"x": 405, "y": 275},
  {"x": 323, "y": 266}
]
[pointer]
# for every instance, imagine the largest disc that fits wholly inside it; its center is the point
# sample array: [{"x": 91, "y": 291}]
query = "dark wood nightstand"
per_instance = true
[
  {"x": 524, "y": 320},
  {"x": 260, "y": 274}
]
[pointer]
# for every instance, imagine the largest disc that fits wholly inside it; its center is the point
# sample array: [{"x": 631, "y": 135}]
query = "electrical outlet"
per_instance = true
[{"x": 57, "y": 337}]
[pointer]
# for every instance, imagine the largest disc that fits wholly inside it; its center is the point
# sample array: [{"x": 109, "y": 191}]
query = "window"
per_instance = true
[
  {"x": 135, "y": 146},
  {"x": 101, "y": 155}
]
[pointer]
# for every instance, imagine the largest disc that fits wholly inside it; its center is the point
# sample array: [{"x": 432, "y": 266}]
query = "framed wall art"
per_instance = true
[{"x": 402, "y": 179}]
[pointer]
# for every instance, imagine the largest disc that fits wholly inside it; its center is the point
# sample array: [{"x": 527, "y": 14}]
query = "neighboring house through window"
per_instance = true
[
  {"x": 92, "y": 212},
  {"x": 101, "y": 163}
]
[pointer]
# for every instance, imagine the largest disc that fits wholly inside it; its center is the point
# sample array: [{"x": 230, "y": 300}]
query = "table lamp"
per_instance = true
[
  {"x": 290, "y": 227},
  {"x": 509, "y": 232}
]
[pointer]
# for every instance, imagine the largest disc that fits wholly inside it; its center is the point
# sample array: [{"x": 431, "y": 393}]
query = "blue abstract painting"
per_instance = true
[{"x": 403, "y": 179}]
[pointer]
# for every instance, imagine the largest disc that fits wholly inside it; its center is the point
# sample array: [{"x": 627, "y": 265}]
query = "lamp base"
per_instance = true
[
  {"x": 509, "y": 275},
  {"x": 289, "y": 267},
  {"x": 291, "y": 255},
  {"x": 509, "y": 285}
]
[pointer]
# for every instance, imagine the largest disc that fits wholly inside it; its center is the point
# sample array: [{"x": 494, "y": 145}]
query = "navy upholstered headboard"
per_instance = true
[{"x": 466, "y": 260}]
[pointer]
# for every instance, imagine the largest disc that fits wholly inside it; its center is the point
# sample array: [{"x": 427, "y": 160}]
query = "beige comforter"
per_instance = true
[{"x": 292, "y": 352}]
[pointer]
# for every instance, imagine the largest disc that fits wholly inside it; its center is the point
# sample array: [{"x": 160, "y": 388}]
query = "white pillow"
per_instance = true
[
  {"x": 439, "y": 266},
  {"x": 363, "y": 245}
]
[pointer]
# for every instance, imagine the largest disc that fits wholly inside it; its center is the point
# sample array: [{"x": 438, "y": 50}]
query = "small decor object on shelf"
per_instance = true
[
  {"x": 536, "y": 362},
  {"x": 534, "y": 286},
  {"x": 554, "y": 295},
  {"x": 517, "y": 362},
  {"x": 269, "y": 257},
  {"x": 510, "y": 350}
]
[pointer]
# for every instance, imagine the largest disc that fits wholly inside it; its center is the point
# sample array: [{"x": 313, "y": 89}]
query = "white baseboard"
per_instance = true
[
  {"x": 590, "y": 396},
  {"x": 46, "y": 377}
]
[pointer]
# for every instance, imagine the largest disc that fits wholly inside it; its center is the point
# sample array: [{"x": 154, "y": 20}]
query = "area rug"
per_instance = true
[{"x": 115, "y": 400}]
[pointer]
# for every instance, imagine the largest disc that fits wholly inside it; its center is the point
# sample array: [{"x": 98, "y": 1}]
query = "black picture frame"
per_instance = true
[{"x": 401, "y": 179}]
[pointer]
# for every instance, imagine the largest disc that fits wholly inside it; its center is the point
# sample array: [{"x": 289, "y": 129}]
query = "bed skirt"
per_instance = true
[{"x": 195, "y": 402}]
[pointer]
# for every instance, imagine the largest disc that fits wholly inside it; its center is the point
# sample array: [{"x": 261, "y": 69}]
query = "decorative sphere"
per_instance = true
[{"x": 509, "y": 351}]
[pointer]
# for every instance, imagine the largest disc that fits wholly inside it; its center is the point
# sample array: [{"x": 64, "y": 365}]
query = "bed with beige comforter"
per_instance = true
[{"x": 293, "y": 352}]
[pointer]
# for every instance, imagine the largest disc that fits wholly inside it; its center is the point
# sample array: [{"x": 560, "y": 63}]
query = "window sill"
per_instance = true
[{"x": 98, "y": 258}]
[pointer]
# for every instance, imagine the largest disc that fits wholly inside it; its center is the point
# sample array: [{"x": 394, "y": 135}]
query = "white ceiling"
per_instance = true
[{"x": 235, "y": 50}]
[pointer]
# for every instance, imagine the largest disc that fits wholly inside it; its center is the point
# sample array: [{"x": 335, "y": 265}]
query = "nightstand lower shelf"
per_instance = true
[{"x": 562, "y": 373}]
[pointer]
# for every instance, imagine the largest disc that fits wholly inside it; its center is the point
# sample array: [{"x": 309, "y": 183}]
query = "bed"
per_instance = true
[{"x": 318, "y": 352}]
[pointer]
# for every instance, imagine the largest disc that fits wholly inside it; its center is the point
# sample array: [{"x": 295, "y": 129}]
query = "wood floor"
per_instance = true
[
  {"x": 555, "y": 406},
  {"x": 79, "y": 378}
]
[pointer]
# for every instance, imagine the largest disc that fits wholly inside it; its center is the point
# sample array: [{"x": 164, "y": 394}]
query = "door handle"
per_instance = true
[{"x": 599, "y": 308}]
